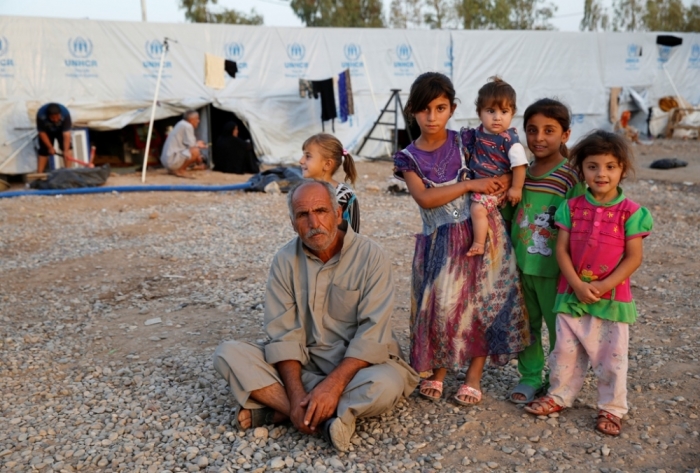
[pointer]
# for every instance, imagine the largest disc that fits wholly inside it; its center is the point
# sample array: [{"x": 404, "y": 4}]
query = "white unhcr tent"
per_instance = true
[{"x": 105, "y": 73}]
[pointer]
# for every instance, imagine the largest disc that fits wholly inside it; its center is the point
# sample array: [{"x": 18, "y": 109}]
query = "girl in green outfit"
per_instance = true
[{"x": 549, "y": 181}]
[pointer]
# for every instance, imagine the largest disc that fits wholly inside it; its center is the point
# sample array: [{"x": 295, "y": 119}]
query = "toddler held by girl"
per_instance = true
[
  {"x": 495, "y": 149},
  {"x": 598, "y": 248}
]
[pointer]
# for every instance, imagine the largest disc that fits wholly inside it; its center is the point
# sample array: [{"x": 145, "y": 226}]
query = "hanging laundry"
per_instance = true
[
  {"x": 306, "y": 88},
  {"x": 345, "y": 100},
  {"x": 231, "y": 68},
  {"x": 348, "y": 89},
  {"x": 214, "y": 71},
  {"x": 324, "y": 88}
]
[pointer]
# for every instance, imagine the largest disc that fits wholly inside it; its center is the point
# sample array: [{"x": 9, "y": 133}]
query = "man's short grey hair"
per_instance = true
[
  {"x": 189, "y": 113},
  {"x": 329, "y": 188}
]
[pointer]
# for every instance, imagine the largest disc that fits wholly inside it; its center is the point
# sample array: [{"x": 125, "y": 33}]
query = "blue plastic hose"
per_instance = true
[{"x": 104, "y": 190}]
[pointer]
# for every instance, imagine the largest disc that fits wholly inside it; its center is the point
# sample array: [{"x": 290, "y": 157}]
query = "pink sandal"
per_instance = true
[
  {"x": 427, "y": 384},
  {"x": 467, "y": 391}
]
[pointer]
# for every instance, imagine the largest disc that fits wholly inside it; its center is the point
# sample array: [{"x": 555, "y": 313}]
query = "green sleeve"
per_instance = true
[
  {"x": 562, "y": 218},
  {"x": 577, "y": 190},
  {"x": 639, "y": 224}
]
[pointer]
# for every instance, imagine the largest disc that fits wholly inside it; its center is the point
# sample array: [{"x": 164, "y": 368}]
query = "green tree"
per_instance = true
[
  {"x": 505, "y": 14},
  {"x": 474, "y": 13},
  {"x": 439, "y": 14},
  {"x": 197, "y": 11},
  {"x": 595, "y": 16},
  {"x": 692, "y": 18},
  {"x": 405, "y": 13},
  {"x": 665, "y": 15},
  {"x": 629, "y": 15},
  {"x": 340, "y": 13}
]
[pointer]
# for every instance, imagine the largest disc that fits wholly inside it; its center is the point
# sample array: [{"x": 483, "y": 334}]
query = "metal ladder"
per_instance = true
[{"x": 397, "y": 108}]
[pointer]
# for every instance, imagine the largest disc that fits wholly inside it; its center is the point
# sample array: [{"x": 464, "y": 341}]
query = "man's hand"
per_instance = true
[
  {"x": 297, "y": 413},
  {"x": 201, "y": 144},
  {"x": 51, "y": 150},
  {"x": 321, "y": 403}
]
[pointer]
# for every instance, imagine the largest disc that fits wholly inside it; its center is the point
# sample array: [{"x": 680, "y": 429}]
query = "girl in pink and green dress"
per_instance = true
[{"x": 599, "y": 246}]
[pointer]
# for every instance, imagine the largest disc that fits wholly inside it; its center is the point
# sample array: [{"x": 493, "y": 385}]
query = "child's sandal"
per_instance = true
[
  {"x": 546, "y": 406},
  {"x": 428, "y": 385},
  {"x": 606, "y": 418},
  {"x": 468, "y": 392}
]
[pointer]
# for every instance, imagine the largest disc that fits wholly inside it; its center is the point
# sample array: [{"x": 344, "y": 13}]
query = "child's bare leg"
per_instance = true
[{"x": 480, "y": 224}]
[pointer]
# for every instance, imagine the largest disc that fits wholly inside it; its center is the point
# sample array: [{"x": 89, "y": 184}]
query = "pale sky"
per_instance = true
[{"x": 275, "y": 12}]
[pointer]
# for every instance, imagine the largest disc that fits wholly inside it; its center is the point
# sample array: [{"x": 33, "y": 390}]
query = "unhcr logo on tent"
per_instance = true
[
  {"x": 81, "y": 50},
  {"x": 154, "y": 49},
  {"x": 4, "y": 51},
  {"x": 234, "y": 52},
  {"x": 5, "y": 62},
  {"x": 352, "y": 52},
  {"x": 634, "y": 53},
  {"x": 664, "y": 55},
  {"x": 694, "y": 59},
  {"x": 80, "y": 47},
  {"x": 404, "y": 66},
  {"x": 296, "y": 67},
  {"x": 448, "y": 63}
]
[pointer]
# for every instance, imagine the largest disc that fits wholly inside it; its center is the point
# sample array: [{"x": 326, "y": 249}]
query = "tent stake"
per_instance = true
[{"x": 153, "y": 111}]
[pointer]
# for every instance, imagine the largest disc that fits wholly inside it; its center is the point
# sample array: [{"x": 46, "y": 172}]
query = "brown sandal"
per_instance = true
[
  {"x": 546, "y": 406},
  {"x": 606, "y": 418}
]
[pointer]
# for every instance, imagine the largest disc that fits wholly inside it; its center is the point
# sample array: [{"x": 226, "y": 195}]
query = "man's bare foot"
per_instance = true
[
  {"x": 476, "y": 249},
  {"x": 518, "y": 397},
  {"x": 181, "y": 173},
  {"x": 245, "y": 418},
  {"x": 199, "y": 167}
]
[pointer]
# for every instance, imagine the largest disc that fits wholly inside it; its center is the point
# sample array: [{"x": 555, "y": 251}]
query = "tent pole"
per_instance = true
[
  {"x": 681, "y": 100},
  {"x": 143, "y": 10},
  {"x": 15, "y": 153},
  {"x": 374, "y": 99},
  {"x": 153, "y": 111}
]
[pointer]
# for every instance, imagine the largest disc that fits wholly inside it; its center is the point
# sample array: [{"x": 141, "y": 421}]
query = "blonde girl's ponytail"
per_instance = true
[{"x": 349, "y": 167}]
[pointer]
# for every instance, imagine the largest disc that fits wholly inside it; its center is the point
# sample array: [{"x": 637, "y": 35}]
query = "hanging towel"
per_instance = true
[
  {"x": 231, "y": 68},
  {"x": 214, "y": 71},
  {"x": 306, "y": 88}
]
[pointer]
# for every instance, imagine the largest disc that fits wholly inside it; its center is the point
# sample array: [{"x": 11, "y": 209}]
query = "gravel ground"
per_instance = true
[{"x": 88, "y": 383}]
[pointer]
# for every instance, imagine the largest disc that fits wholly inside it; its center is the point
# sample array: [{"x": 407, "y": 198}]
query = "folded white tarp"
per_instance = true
[{"x": 105, "y": 73}]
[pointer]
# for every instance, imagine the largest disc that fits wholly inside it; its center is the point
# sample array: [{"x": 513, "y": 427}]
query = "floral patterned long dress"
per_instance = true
[{"x": 461, "y": 307}]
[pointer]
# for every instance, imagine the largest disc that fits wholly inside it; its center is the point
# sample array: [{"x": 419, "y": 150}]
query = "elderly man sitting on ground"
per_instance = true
[
  {"x": 332, "y": 356},
  {"x": 182, "y": 149}
]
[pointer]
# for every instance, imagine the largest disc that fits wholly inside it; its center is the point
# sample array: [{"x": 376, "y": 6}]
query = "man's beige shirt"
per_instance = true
[{"x": 322, "y": 313}]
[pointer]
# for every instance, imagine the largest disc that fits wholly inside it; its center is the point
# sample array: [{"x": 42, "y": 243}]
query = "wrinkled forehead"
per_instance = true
[{"x": 309, "y": 197}]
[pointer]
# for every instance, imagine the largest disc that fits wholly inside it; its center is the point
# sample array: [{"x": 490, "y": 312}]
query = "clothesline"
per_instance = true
[{"x": 328, "y": 89}]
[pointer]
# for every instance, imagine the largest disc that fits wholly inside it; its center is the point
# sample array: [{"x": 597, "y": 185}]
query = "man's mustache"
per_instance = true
[{"x": 315, "y": 231}]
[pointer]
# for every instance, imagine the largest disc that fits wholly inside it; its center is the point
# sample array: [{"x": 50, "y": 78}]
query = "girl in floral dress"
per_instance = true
[{"x": 463, "y": 309}]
